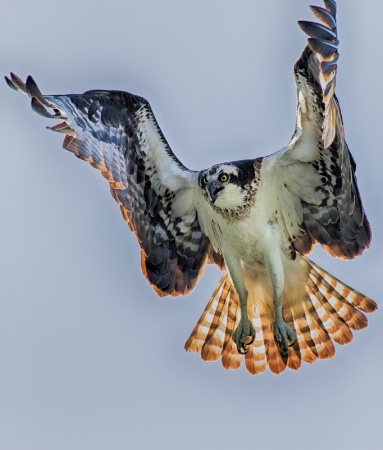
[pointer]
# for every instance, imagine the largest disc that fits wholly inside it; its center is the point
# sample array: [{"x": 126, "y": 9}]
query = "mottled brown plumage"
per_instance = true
[{"x": 254, "y": 218}]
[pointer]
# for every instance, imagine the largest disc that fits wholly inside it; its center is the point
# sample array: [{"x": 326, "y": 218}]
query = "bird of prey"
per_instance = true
[{"x": 256, "y": 219}]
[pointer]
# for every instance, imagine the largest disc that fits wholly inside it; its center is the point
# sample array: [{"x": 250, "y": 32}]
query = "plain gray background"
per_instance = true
[{"x": 90, "y": 357}]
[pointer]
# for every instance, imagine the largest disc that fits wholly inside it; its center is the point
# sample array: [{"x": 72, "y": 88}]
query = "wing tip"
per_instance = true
[
  {"x": 34, "y": 92},
  {"x": 323, "y": 39},
  {"x": 16, "y": 83},
  {"x": 323, "y": 43},
  {"x": 327, "y": 17}
]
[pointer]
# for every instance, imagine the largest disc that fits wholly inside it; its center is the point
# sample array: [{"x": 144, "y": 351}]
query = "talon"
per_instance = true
[
  {"x": 241, "y": 335},
  {"x": 291, "y": 336},
  {"x": 242, "y": 348}
]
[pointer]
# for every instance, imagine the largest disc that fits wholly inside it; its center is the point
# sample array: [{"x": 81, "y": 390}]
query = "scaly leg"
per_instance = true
[
  {"x": 284, "y": 336},
  {"x": 244, "y": 334}
]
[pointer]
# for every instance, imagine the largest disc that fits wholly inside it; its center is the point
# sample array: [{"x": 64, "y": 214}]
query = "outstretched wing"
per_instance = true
[
  {"x": 117, "y": 133},
  {"x": 316, "y": 189}
]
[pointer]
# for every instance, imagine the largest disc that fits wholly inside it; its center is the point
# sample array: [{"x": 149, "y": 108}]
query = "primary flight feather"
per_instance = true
[{"x": 255, "y": 219}]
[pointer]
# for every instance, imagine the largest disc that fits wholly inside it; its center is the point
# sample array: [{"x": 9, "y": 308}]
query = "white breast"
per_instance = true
[{"x": 246, "y": 236}]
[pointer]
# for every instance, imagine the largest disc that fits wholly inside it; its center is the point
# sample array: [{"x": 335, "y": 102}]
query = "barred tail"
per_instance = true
[{"x": 327, "y": 313}]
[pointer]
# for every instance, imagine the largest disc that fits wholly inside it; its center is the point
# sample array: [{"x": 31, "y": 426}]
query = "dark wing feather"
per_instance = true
[
  {"x": 316, "y": 166},
  {"x": 117, "y": 133}
]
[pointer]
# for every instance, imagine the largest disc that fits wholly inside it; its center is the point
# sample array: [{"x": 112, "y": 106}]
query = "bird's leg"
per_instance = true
[
  {"x": 244, "y": 334},
  {"x": 284, "y": 336}
]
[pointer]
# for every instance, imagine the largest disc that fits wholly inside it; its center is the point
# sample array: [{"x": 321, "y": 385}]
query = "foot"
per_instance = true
[
  {"x": 244, "y": 335},
  {"x": 284, "y": 336}
]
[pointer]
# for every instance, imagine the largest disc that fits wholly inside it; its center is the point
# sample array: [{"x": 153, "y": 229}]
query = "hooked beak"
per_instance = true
[{"x": 215, "y": 190}]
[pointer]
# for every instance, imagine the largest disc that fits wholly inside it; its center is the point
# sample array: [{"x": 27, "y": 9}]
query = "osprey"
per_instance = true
[{"x": 256, "y": 219}]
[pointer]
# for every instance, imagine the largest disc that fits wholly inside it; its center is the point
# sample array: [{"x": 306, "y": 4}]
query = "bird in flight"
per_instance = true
[{"x": 256, "y": 219}]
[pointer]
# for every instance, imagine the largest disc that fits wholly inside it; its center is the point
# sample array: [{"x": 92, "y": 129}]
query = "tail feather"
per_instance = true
[
  {"x": 254, "y": 364},
  {"x": 294, "y": 356},
  {"x": 347, "y": 293},
  {"x": 215, "y": 338},
  {"x": 255, "y": 358},
  {"x": 231, "y": 359},
  {"x": 347, "y": 311},
  {"x": 212, "y": 348},
  {"x": 322, "y": 341},
  {"x": 198, "y": 336},
  {"x": 326, "y": 312},
  {"x": 276, "y": 362},
  {"x": 305, "y": 341},
  {"x": 337, "y": 328}
]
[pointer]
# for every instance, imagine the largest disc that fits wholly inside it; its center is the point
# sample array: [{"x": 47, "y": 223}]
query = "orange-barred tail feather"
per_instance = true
[{"x": 327, "y": 312}]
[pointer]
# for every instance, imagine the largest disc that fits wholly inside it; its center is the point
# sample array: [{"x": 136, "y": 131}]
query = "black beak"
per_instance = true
[{"x": 214, "y": 189}]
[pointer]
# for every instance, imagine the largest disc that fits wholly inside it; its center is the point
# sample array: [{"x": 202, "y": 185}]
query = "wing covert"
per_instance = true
[{"x": 117, "y": 133}]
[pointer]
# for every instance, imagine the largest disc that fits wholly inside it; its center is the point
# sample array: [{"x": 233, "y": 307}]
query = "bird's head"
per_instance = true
[{"x": 227, "y": 186}]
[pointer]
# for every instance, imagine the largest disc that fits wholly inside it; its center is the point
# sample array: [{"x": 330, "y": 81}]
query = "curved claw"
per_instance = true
[
  {"x": 244, "y": 347},
  {"x": 241, "y": 335}
]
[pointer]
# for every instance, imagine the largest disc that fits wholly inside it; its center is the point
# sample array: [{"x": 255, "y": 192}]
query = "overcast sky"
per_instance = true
[{"x": 90, "y": 357}]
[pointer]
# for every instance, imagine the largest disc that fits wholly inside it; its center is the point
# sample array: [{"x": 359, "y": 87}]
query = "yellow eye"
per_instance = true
[
  {"x": 224, "y": 177},
  {"x": 204, "y": 180}
]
